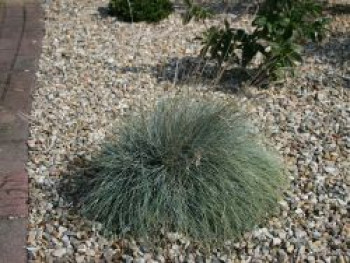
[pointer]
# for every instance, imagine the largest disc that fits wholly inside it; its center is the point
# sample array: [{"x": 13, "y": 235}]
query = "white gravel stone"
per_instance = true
[{"x": 59, "y": 252}]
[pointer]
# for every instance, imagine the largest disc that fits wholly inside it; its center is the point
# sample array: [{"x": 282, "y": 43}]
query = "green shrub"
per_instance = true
[
  {"x": 140, "y": 10},
  {"x": 297, "y": 20},
  {"x": 192, "y": 166},
  {"x": 222, "y": 45},
  {"x": 284, "y": 25},
  {"x": 281, "y": 26},
  {"x": 195, "y": 11}
]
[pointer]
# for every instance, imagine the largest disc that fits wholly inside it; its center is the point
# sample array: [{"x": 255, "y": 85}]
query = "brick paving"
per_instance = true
[{"x": 21, "y": 32}]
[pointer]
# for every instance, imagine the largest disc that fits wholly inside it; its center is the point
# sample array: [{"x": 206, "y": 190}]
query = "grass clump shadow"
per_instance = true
[{"x": 192, "y": 166}]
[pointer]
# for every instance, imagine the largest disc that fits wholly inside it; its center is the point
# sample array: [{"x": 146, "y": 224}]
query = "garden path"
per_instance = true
[{"x": 21, "y": 31}]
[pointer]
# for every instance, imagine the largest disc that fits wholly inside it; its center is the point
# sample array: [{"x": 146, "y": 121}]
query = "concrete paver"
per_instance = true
[{"x": 21, "y": 32}]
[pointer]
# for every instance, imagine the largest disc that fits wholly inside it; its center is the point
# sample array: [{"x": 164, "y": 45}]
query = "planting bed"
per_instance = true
[{"x": 94, "y": 69}]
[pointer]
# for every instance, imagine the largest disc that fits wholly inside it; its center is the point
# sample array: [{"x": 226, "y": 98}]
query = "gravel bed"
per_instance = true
[{"x": 94, "y": 69}]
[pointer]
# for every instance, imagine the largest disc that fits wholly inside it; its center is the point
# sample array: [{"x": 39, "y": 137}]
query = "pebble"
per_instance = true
[
  {"x": 276, "y": 241},
  {"x": 59, "y": 252},
  {"x": 316, "y": 234},
  {"x": 80, "y": 259}
]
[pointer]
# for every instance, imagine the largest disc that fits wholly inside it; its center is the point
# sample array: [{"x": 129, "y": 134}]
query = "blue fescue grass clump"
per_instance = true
[{"x": 191, "y": 166}]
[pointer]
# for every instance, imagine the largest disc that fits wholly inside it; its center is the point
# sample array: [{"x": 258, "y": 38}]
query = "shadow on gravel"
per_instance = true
[
  {"x": 74, "y": 185},
  {"x": 338, "y": 9},
  {"x": 192, "y": 71},
  {"x": 195, "y": 70},
  {"x": 335, "y": 52},
  {"x": 103, "y": 11},
  {"x": 236, "y": 7}
]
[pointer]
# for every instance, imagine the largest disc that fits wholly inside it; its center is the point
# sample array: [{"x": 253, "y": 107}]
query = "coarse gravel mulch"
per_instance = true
[{"x": 94, "y": 69}]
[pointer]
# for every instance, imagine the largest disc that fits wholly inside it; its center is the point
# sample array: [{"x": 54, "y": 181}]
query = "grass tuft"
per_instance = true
[{"x": 192, "y": 166}]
